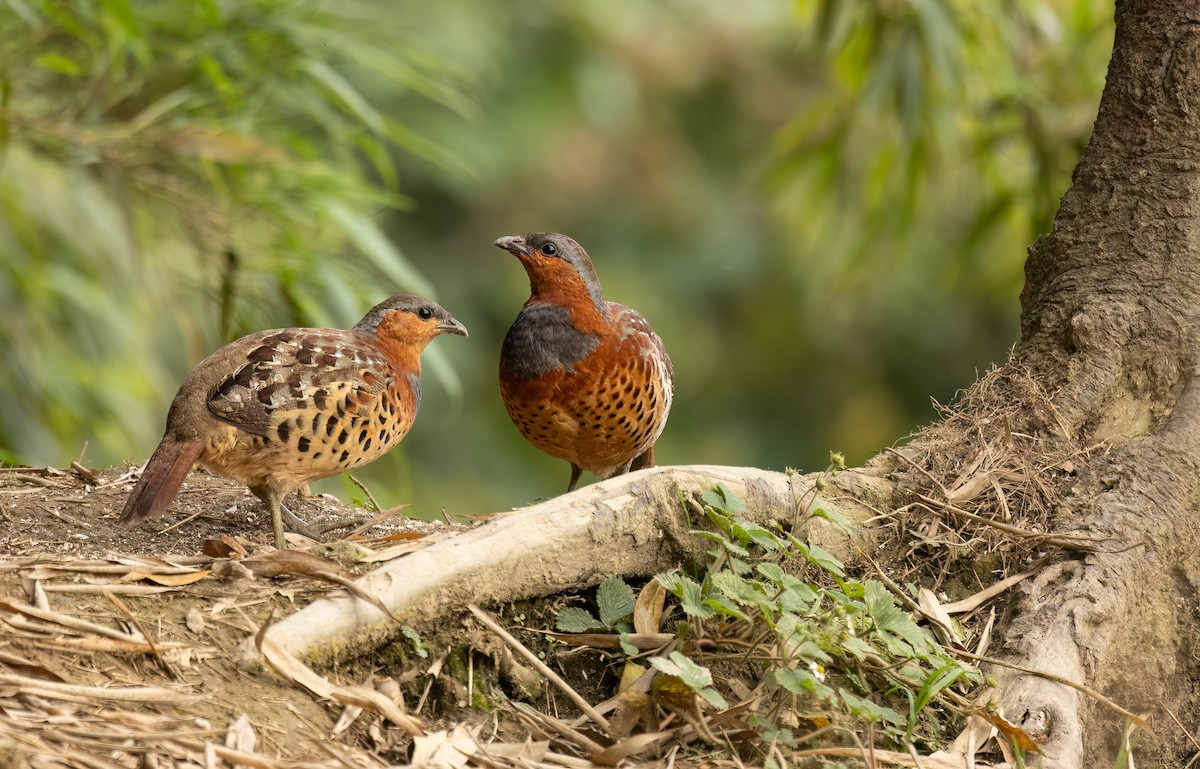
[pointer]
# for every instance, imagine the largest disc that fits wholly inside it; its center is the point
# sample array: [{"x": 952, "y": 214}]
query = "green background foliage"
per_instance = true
[{"x": 823, "y": 207}]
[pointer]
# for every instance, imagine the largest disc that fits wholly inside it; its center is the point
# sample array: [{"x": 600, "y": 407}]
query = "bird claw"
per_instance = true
[
  {"x": 296, "y": 524},
  {"x": 343, "y": 523}
]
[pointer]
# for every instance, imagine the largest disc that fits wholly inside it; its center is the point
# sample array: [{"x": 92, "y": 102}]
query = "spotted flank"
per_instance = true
[{"x": 311, "y": 403}]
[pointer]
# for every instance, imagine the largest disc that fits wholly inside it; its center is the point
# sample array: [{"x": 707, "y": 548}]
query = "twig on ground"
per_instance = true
[
  {"x": 365, "y": 490},
  {"x": 532, "y": 658},
  {"x": 382, "y": 516},
  {"x": 162, "y": 662},
  {"x": 1068, "y": 542},
  {"x": 189, "y": 519}
]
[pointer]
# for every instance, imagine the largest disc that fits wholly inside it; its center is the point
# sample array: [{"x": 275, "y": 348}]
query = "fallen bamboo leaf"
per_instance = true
[
  {"x": 544, "y": 722},
  {"x": 70, "y": 622},
  {"x": 301, "y": 564},
  {"x": 523, "y": 752},
  {"x": 349, "y": 715},
  {"x": 87, "y": 474},
  {"x": 170, "y": 580},
  {"x": 396, "y": 551},
  {"x": 884, "y": 757},
  {"x": 973, "y": 602},
  {"x": 629, "y": 747},
  {"x": 939, "y": 619},
  {"x": 36, "y": 593},
  {"x": 296, "y": 671},
  {"x": 224, "y": 547},
  {"x": 106, "y": 645},
  {"x": 971, "y": 739},
  {"x": 113, "y": 693},
  {"x": 109, "y": 588}
]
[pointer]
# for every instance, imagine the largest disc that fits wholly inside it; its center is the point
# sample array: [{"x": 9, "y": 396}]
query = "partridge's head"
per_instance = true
[
  {"x": 559, "y": 270},
  {"x": 409, "y": 320}
]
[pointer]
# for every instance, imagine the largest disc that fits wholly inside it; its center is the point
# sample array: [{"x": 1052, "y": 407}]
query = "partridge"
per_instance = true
[
  {"x": 584, "y": 379},
  {"x": 277, "y": 409}
]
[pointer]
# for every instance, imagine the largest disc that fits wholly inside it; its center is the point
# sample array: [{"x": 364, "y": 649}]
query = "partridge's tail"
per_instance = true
[{"x": 161, "y": 479}]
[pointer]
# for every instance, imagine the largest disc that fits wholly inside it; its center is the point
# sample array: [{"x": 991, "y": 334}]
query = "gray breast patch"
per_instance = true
[{"x": 542, "y": 339}]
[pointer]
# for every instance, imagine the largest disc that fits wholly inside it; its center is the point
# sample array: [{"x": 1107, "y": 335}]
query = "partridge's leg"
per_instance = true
[
  {"x": 271, "y": 498},
  {"x": 575, "y": 472}
]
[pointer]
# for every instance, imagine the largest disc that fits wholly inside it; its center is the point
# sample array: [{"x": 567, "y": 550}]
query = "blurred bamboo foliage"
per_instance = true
[{"x": 823, "y": 207}]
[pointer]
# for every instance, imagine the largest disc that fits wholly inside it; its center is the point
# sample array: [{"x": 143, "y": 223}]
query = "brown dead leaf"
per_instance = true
[
  {"x": 292, "y": 563},
  {"x": 648, "y": 611},
  {"x": 27, "y": 668},
  {"x": 1011, "y": 731},
  {"x": 86, "y": 473},
  {"x": 634, "y": 708},
  {"x": 169, "y": 580},
  {"x": 225, "y": 547},
  {"x": 445, "y": 749}
]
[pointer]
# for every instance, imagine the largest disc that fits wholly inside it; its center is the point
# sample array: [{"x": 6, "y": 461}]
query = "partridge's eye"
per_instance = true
[
  {"x": 424, "y": 313},
  {"x": 548, "y": 249}
]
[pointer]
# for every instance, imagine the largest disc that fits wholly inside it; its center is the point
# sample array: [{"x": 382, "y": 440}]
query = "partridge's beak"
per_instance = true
[
  {"x": 452, "y": 326},
  {"x": 514, "y": 244}
]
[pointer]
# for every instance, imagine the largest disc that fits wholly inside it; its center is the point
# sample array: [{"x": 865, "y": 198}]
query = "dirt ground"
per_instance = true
[
  {"x": 130, "y": 646},
  {"x": 73, "y": 514}
]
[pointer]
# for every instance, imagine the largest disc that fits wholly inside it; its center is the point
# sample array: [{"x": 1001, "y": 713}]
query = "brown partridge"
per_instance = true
[
  {"x": 277, "y": 409},
  {"x": 583, "y": 379}
]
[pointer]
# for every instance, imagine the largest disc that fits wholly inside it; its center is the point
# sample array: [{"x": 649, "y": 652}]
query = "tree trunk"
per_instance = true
[
  {"x": 1110, "y": 323},
  {"x": 1097, "y": 416}
]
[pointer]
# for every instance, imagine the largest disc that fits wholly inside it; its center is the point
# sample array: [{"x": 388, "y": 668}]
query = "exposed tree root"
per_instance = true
[{"x": 632, "y": 525}]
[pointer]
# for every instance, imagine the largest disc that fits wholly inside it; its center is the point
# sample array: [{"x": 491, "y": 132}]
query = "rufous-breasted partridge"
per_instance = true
[
  {"x": 277, "y": 409},
  {"x": 583, "y": 379}
]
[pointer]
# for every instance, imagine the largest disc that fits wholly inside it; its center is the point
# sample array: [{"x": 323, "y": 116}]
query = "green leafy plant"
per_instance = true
[
  {"x": 614, "y": 602},
  {"x": 772, "y": 619}
]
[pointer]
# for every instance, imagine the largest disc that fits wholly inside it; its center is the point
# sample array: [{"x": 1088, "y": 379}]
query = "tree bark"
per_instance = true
[{"x": 1110, "y": 324}]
